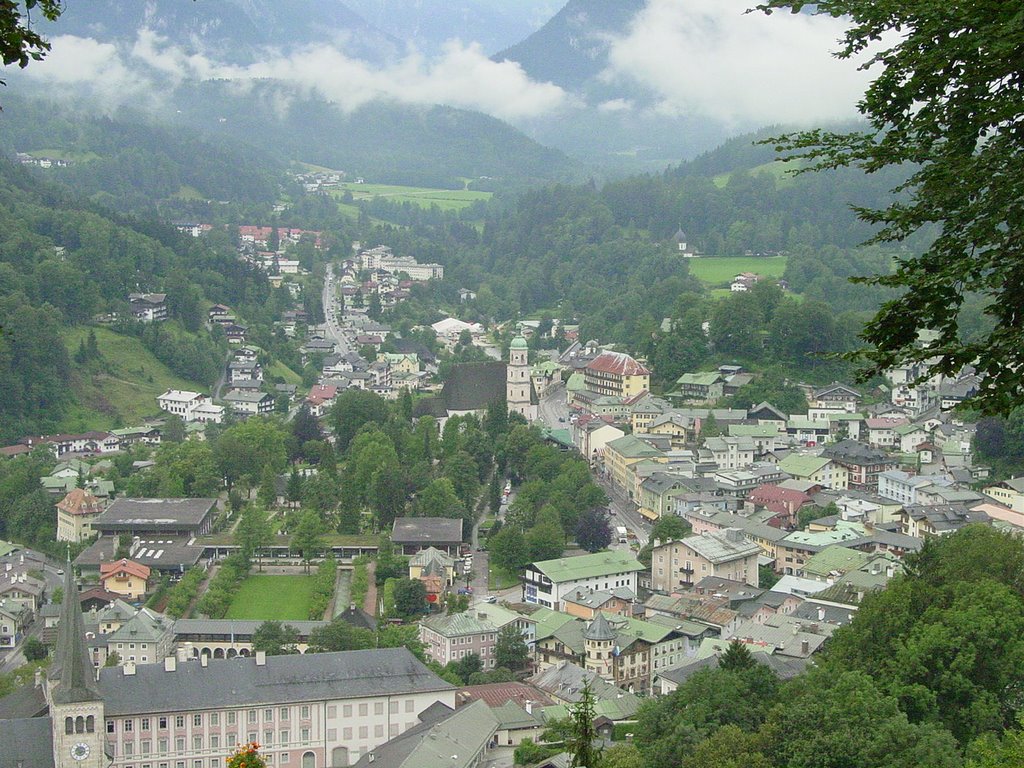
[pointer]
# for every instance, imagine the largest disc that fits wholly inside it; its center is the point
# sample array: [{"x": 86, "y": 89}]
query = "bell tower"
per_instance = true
[
  {"x": 76, "y": 707},
  {"x": 517, "y": 379}
]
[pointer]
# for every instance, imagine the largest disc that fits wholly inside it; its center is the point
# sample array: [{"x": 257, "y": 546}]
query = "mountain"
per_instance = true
[
  {"x": 131, "y": 164},
  {"x": 237, "y": 30},
  {"x": 571, "y": 50},
  {"x": 428, "y": 24},
  {"x": 385, "y": 141}
]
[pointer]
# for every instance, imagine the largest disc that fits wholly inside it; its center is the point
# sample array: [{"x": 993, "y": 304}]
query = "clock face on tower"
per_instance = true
[{"x": 80, "y": 751}]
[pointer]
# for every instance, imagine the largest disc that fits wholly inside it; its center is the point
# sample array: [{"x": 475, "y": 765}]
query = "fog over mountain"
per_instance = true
[{"x": 631, "y": 82}]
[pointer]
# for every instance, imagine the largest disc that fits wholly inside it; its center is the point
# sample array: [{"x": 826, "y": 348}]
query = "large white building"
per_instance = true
[
  {"x": 190, "y": 406},
  {"x": 547, "y": 582},
  {"x": 306, "y": 711}
]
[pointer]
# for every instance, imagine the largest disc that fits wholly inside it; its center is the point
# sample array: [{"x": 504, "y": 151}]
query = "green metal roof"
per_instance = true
[
  {"x": 753, "y": 430},
  {"x": 835, "y": 559},
  {"x": 802, "y": 466},
  {"x": 518, "y": 343},
  {"x": 589, "y": 566},
  {"x": 632, "y": 447},
  {"x": 576, "y": 382},
  {"x": 699, "y": 379}
]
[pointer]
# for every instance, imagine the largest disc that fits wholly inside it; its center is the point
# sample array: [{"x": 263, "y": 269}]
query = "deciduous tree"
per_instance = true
[{"x": 944, "y": 103}]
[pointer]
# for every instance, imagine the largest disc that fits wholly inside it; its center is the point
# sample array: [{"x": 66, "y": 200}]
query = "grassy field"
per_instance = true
[
  {"x": 720, "y": 270},
  {"x": 279, "y": 598},
  {"x": 280, "y": 369},
  {"x": 125, "y": 391},
  {"x": 778, "y": 169},
  {"x": 445, "y": 199}
]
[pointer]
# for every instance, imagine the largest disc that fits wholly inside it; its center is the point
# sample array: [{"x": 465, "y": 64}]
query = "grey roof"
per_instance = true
[
  {"x": 239, "y": 628},
  {"x": 125, "y": 514},
  {"x": 240, "y": 682},
  {"x": 144, "y": 626},
  {"x": 453, "y": 741},
  {"x": 599, "y": 629},
  {"x": 722, "y": 546},
  {"x": 854, "y": 452},
  {"x": 474, "y": 386},
  {"x": 423, "y": 530},
  {"x": 26, "y": 743},
  {"x": 26, "y": 701},
  {"x": 72, "y": 667}
]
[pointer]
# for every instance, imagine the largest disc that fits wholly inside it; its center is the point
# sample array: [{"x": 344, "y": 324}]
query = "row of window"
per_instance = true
[
  {"x": 308, "y": 760},
  {"x": 162, "y": 723},
  {"x": 199, "y": 743}
]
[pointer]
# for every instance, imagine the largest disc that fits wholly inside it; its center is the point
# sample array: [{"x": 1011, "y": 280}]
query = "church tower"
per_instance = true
[
  {"x": 599, "y": 646},
  {"x": 517, "y": 380},
  {"x": 76, "y": 708}
]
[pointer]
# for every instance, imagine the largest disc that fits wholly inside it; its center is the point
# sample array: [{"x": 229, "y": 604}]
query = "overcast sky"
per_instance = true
[{"x": 699, "y": 57}]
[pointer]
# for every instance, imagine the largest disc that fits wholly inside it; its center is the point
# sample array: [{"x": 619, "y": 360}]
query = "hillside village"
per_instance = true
[{"x": 731, "y": 526}]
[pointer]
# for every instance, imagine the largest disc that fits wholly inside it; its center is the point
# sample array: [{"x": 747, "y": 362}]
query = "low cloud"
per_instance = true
[
  {"x": 462, "y": 76},
  {"x": 710, "y": 58}
]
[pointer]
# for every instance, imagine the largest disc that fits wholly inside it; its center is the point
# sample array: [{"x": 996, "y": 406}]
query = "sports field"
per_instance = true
[
  {"x": 720, "y": 270},
  {"x": 266, "y": 597}
]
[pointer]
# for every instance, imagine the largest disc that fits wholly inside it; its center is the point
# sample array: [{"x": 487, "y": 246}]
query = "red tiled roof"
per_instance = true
[
  {"x": 496, "y": 694},
  {"x": 779, "y": 499},
  {"x": 80, "y": 502},
  {"x": 618, "y": 363},
  {"x": 126, "y": 565}
]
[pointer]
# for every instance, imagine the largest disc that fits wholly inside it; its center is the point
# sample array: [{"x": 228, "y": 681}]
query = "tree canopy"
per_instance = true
[{"x": 945, "y": 104}]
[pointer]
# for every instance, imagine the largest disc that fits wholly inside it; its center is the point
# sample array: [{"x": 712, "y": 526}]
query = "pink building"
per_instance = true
[{"x": 450, "y": 638}]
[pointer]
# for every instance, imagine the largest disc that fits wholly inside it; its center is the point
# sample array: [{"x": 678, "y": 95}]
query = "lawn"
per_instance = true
[
  {"x": 720, "y": 270},
  {"x": 501, "y": 579},
  {"x": 445, "y": 199},
  {"x": 125, "y": 390},
  {"x": 264, "y": 597}
]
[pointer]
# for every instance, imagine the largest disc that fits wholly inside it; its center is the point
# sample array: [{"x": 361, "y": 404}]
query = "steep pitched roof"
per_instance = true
[
  {"x": 599, "y": 629},
  {"x": 72, "y": 668},
  {"x": 474, "y": 386}
]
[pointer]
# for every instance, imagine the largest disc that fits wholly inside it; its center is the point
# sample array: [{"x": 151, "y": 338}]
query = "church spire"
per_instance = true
[{"x": 73, "y": 670}]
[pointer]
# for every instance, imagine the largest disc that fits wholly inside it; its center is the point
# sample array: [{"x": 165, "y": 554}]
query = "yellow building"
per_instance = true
[
  {"x": 125, "y": 577},
  {"x": 401, "y": 363},
  {"x": 621, "y": 454},
  {"x": 75, "y": 514},
  {"x": 616, "y": 374},
  {"x": 432, "y": 562}
]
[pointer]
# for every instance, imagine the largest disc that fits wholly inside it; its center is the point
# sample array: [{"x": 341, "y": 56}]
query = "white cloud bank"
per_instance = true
[
  {"x": 699, "y": 57},
  {"x": 709, "y": 57},
  {"x": 461, "y": 77}
]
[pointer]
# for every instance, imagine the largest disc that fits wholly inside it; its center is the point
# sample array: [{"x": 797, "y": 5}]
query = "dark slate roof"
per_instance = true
[
  {"x": 599, "y": 629},
  {"x": 429, "y": 406},
  {"x": 426, "y": 530},
  {"x": 125, "y": 514},
  {"x": 854, "y": 452},
  {"x": 72, "y": 667},
  {"x": 474, "y": 386},
  {"x": 357, "y": 617},
  {"x": 26, "y": 743},
  {"x": 26, "y": 701},
  {"x": 240, "y": 682}
]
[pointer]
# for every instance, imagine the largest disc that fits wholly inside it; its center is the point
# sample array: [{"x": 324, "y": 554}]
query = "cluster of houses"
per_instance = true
[{"x": 256, "y": 246}]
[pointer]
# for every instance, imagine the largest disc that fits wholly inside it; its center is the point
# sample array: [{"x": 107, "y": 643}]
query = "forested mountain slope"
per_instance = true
[{"x": 63, "y": 261}]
